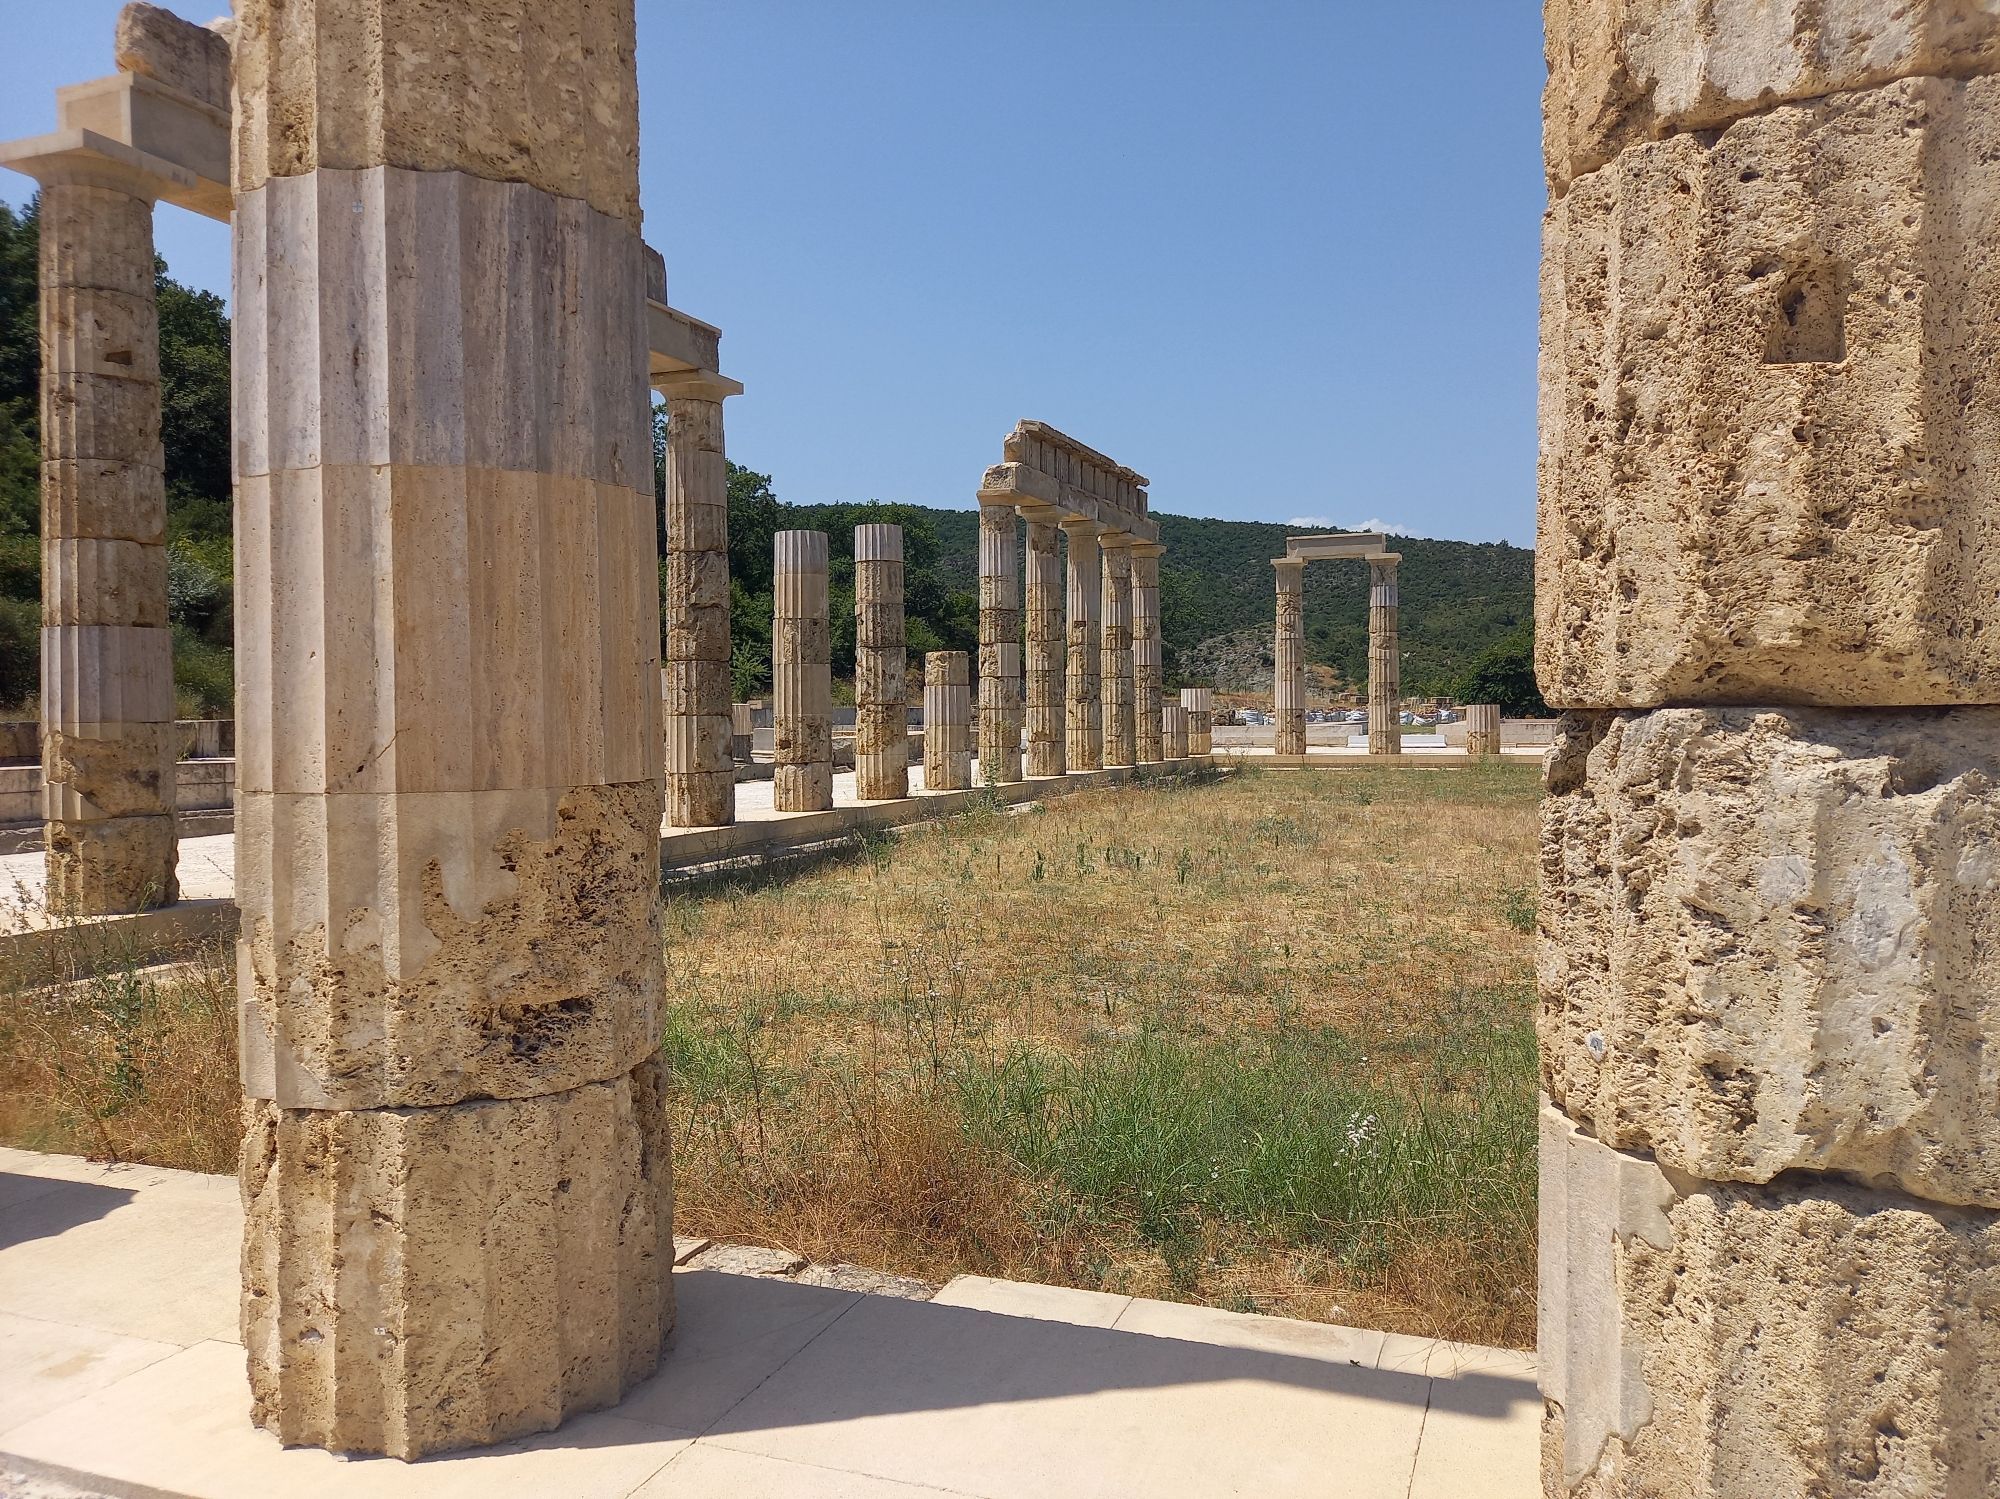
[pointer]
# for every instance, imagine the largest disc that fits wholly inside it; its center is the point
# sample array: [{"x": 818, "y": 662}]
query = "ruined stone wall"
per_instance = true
[{"x": 1767, "y": 576}]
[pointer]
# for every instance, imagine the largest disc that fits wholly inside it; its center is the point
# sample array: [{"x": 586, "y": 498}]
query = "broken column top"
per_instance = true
[
  {"x": 177, "y": 54},
  {"x": 1049, "y": 470}
]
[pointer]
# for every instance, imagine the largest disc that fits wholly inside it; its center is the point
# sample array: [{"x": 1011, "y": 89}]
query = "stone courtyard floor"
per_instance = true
[{"x": 120, "y": 1373}]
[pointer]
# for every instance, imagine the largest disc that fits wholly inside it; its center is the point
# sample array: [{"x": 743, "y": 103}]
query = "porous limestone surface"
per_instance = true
[
  {"x": 1771, "y": 941},
  {"x": 190, "y": 59},
  {"x": 694, "y": 676},
  {"x": 112, "y": 864},
  {"x": 418, "y": 1280},
  {"x": 511, "y": 90},
  {"x": 1767, "y": 441},
  {"x": 1043, "y": 630},
  {"x": 1734, "y": 1341},
  {"x": 423, "y": 949},
  {"x": 1626, "y": 71}
]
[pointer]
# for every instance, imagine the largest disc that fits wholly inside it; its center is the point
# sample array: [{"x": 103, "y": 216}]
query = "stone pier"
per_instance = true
[
  {"x": 947, "y": 721},
  {"x": 1200, "y": 705},
  {"x": 999, "y": 643},
  {"x": 700, "y": 769},
  {"x": 1146, "y": 656},
  {"x": 455, "y": 1171},
  {"x": 108, "y": 747},
  {"x": 1084, "y": 698},
  {"x": 1289, "y": 649},
  {"x": 1482, "y": 729},
  {"x": 801, "y": 673},
  {"x": 1173, "y": 732},
  {"x": 1385, "y": 659},
  {"x": 1115, "y": 672},
  {"x": 1770, "y": 1195},
  {"x": 881, "y": 700},
  {"x": 1045, "y": 645}
]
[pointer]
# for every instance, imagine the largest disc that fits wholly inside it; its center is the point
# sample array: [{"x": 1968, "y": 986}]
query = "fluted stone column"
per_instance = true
[
  {"x": 455, "y": 1173},
  {"x": 1045, "y": 643},
  {"x": 1482, "y": 729},
  {"x": 1385, "y": 659},
  {"x": 1146, "y": 655},
  {"x": 881, "y": 711},
  {"x": 108, "y": 742},
  {"x": 742, "y": 732},
  {"x": 1115, "y": 673},
  {"x": 1174, "y": 732},
  {"x": 1289, "y": 652},
  {"x": 700, "y": 769},
  {"x": 999, "y": 644},
  {"x": 947, "y": 721},
  {"x": 801, "y": 673},
  {"x": 1084, "y": 736},
  {"x": 1200, "y": 705},
  {"x": 1770, "y": 907}
]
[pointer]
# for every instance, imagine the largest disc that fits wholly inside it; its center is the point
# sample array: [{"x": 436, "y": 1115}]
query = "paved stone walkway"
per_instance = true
[{"x": 120, "y": 1374}]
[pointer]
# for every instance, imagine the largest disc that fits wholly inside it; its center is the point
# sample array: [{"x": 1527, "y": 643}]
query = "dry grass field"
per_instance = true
[{"x": 1264, "y": 1042}]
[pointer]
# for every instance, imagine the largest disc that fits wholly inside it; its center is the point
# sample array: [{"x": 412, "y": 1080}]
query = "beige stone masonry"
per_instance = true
[
  {"x": 1115, "y": 672},
  {"x": 179, "y": 55},
  {"x": 1000, "y": 713},
  {"x": 1048, "y": 468},
  {"x": 1632, "y": 71},
  {"x": 1199, "y": 702},
  {"x": 947, "y": 721},
  {"x": 1147, "y": 667},
  {"x": 1289, "y": 651},
  {"x": 802, "y": 674},
  {"x": 881, "y": 713},
  {"x": 1482, "y": 729},
  {"x": 1808, "y": 1338},
  {"x": 1385, "y": 658},
  {"x": 1772, "y": 942},
  {"x": 700, "y": 770},
  {"x": 538, "y": 92},
  {"x": 1046, "y": 646},
  {"x": 1766, "y": 436},
  {"x": 1083, "y": 699},
  {"x": 419, "y": 1280},
  {"x": 1173, "y": 732}
]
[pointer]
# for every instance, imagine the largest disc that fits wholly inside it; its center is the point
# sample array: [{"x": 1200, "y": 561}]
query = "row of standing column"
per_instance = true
[{"x": 1385, "y": 690}]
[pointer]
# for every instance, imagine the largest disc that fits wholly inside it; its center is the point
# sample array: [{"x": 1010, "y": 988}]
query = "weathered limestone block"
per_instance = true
[
  {"x": 1083, "y": 699},
  {"x": 1482, "y": 729},
  {"x": 1772, "y": 942},
  {"x": 1173, "y": 732},
  {"x": 1626, "y": 71},
  {"x": 1200, "y": 705},
  {"x": 947, "y": 721},
  {"x": 1289, "y": 652},
  {"x": 418, "y": 1280},
  {"x": 114, "y": 864},
  {"x": 420, "y": 949},
  {"x": 97, "y": 771},
  {"x": 189, "y": 59},
  {"x": 1120, "y": 731},
  {"x": 700, "y": 771},
  {"x": 1046, "y": 746},
  {"x": 1767, "y": 442},
  {"x": 999, "y": 643},
  {"x": 802, "y": 673},
  {"x": 1385, "y": 659},
  {"x": 1147, "y": 667},
  {"x": 523, "y": 91},
  {"x": 881, "y": 713},
  {"x": 1809, "y": 1337}
]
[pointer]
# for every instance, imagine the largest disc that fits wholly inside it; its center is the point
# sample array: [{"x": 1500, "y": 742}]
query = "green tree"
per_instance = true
[{"x": 1504, "y": 673}]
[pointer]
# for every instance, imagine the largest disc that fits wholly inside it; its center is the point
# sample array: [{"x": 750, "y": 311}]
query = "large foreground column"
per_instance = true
[
  {"x": 947, "y": 721},
  {"x": 1289, "y": 655},
  {"x": 1085, "y": 711},
  {"x": 1044, "y": 628},
  {"x": 1120, "y": 737},
  {"x": 999, "y": 644},
  {"x": 801, "y": 673},
  {"x": 1146, "y": 655},
  {"x": 1770, "y": 1187},
  {"x": 700, "y": 773},
  {"x": 455, "y": 1172},
  {"x": 881, "y": 712},
  {"x": 108, "y": 744},
  {"x": 1385, "y": 659}
]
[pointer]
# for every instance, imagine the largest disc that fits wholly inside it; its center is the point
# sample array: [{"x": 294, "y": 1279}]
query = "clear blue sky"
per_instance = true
[{"x": 1279, "y": 257}]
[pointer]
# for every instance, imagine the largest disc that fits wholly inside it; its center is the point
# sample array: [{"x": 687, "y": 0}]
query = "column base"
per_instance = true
[{"x": 112, "y": 865}]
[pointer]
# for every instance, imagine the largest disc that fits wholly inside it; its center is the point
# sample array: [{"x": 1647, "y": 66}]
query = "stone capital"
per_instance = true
[
  {"x": 1148, "y": 549},
  {"x": 696, "y": 385},
  {"x": 1296, "y": 565}
]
